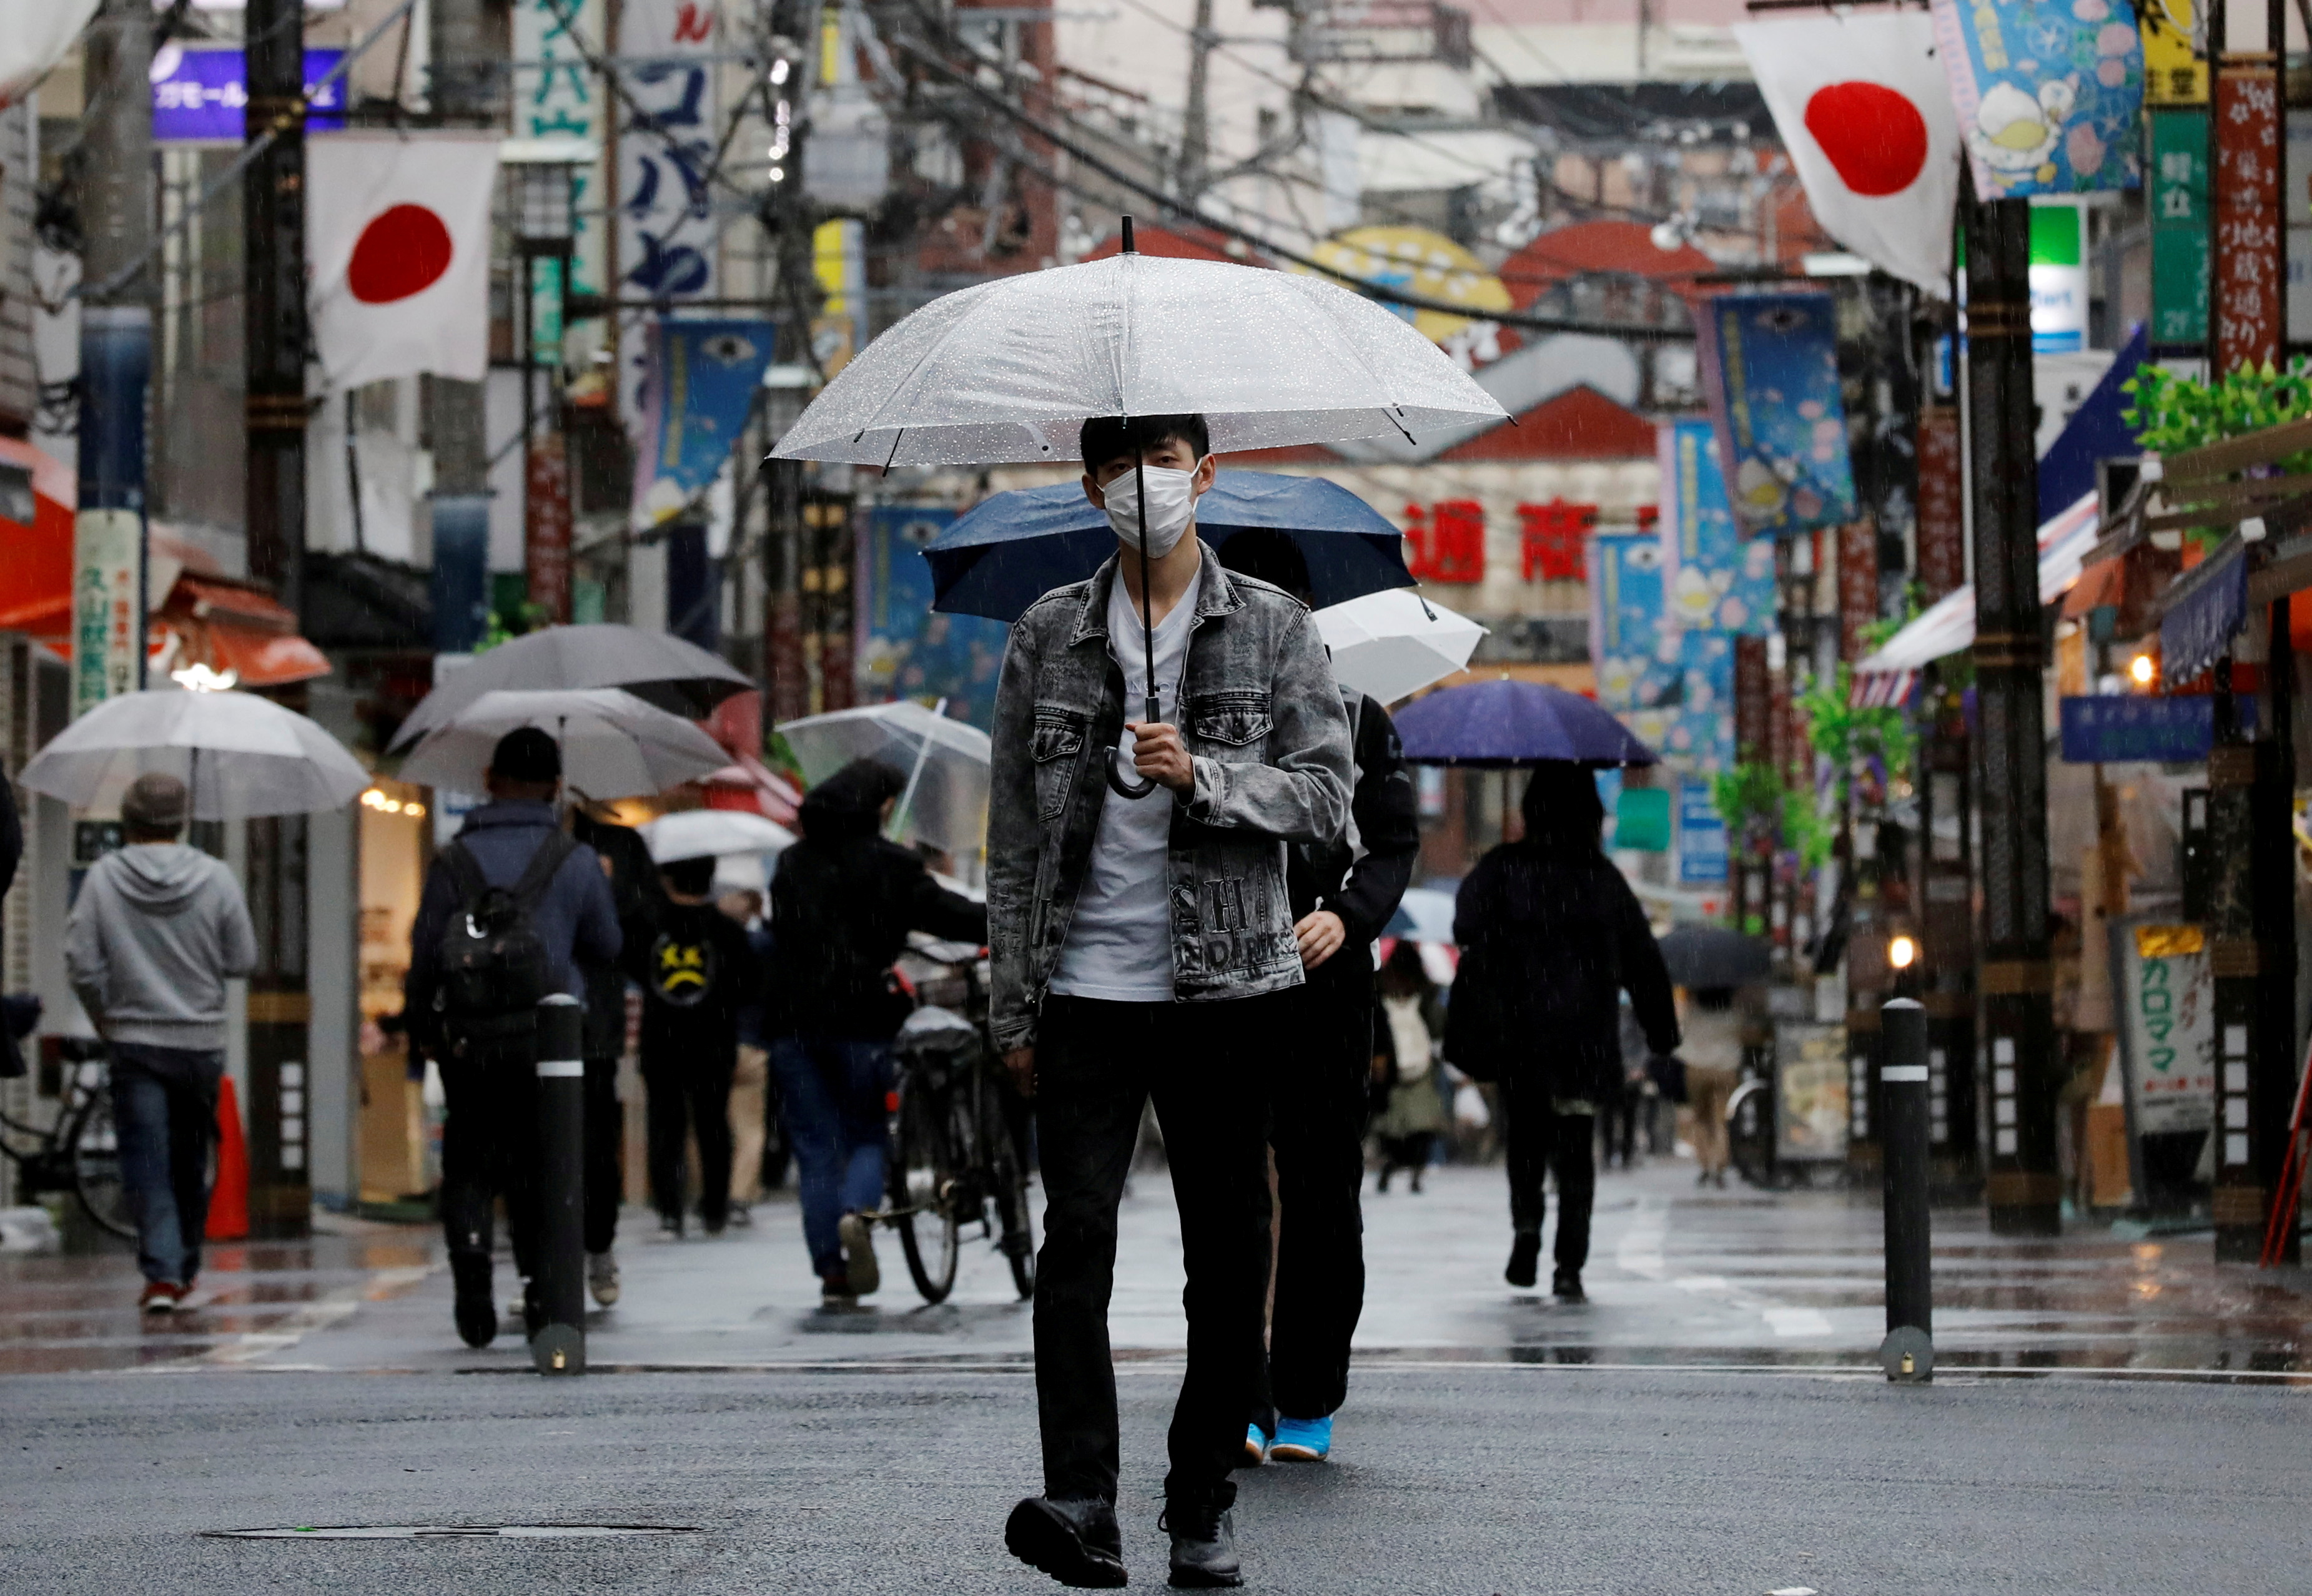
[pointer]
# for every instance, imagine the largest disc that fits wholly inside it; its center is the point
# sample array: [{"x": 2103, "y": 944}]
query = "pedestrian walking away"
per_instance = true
[
  {"x": 1342, "y": 894},
  {"x": 157, "y": 930},
  {"x": 510, "y": 912},
  {"x": 1550, "y": 935},
  {"x": 1144, "y": 949},
  {"x": 751, "y": 1102},
  {"x": 694, "y": 967},
  {"x": 1410, "y": 1109},
  {"x": 635, "y": 889},
  {"x": 843, "y": 901},
  {"x": 1712, "y": 1054}
]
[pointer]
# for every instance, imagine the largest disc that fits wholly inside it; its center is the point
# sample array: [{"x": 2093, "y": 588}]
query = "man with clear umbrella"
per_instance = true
[{"x": 1141, "y": 939}]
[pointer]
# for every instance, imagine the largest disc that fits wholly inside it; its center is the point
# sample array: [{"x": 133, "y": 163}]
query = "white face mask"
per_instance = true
[{"x": 1171, "y": 507}]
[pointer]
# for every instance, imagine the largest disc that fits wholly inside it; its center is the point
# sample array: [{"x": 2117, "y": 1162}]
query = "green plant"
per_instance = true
[
  {"x": 1756, "y": 802},
  {"x": 2173, "y": 413},
  {"x": 1846, "y": 735},
  {"x": 531, "y": 617}
]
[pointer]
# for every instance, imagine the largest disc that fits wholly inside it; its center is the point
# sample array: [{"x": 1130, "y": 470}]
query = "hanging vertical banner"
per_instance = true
[
  {"x": 906, "y": 649},
  {"x": 1633, "y": 646},
  {"x": 545, "y": 526},
  {"x": 556, "y": 95},
  {"x": 1718, "y": 579},
  {"x": 702, "y": 378},
  {"x": 667, "y": 239},
  {"x": 2174, "y": 52},
  {"x": 1942, "y": 517},
  {"x": 2179, "y": 228},
  {"x": 1858, "y": 585},
  {"x": 2247, "y": 258},
  {"x": 1770, "y": 370},
  {"x": 1693, "y": 729},
  {"x": 2167, "y": 1028},
  {"x": 2048, "y": 97}
]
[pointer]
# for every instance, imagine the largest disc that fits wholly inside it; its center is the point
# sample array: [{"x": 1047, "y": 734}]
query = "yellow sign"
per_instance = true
[
  {"x": 2174, "y": 52},
  {"x": 2168, "y": 942},
  {"x": 1421, "y": 262}
]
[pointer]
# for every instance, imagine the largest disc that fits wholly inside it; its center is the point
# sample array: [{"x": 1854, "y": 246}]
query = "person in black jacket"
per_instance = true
[
  {"x": 1550, "y": 935},
  {"x": 634, "y": 891},
  {"x": 1342, "y": 894},
  {"x": 841, "y": 904}
]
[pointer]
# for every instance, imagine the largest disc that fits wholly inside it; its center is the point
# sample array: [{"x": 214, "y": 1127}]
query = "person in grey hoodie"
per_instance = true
[{"x": 155, "y": 932}]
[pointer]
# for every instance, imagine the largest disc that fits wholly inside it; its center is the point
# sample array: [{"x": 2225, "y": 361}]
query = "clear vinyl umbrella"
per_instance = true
[
  {"x": 712, "y": 833},
  {"x": 944, "y": 761},
  {"x": 1392, "y": 644},
  {"x": 1012, "y": 370},
  {"x": 665, "y": 671},
  {"x": 613, "y": 743},
  {"x": 241, "y": 755}
]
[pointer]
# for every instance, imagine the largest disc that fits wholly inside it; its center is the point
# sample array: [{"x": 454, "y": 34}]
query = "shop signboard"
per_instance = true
[
  {"x": 2059, "y": 278},
  {"x": 2248, "y": 262},
  {"x": 2174, "y": 52},
  {"x": 2048, "y": 97},
  {"x": 1942, "y": 515},
  {"x": 2132, "y": 726},
  {"x": 2179, "y": 228},
  {"x": 1810, "y": 1092},
  {"x": 200, "y": 95},
  {"x": 2167, "y": 1030},
  {"x": 1770, "y": 369},
  {"x": 1701, "y": 837}
]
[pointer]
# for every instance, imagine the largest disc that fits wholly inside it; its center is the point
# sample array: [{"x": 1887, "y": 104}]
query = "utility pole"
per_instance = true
[
  {"x": 273, "y": 218},
  {"x": 469, "y": 90},
  {"x": 116, "y": 361},
  {"x": 2024, "y": 1189},
  {"x": 1195, "y": 121}
]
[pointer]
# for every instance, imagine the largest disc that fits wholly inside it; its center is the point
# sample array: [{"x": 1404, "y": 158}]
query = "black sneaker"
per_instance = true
[
  {"x": 1525, "y": 1260},
  {"x": 1566, "y": 1287},
  {"x": 1204, "y": 1546},
  {"x": 477, "y": 1315},
  {"x": 533, "y": 1308},
  {"x": 1074, "y": 1539}
]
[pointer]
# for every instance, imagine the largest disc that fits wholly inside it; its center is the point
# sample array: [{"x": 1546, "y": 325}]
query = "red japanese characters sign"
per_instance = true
[
  {"x": 2249, "y": 271},
  {"x": 546, "y": 526},
  {"x": 1554, "y": 536},
  {"x": 1858, "y": 584},
  {"x": 1448, "y": 539},
  {"x": 1943, "y": 513}
]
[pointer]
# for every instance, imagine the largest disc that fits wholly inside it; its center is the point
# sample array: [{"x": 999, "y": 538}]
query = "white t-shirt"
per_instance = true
[{"x": 1120, "y": 944}]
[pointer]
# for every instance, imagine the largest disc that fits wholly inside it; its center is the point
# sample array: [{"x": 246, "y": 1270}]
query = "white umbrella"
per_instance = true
[
  {"x": 1392, "y": 643},
  {"x": 613, "y": 743},
  {"x": 242, "y": 756},
  {"x": 712, "y": 833},
  {"x": 944, "y": 761},
  {"x": 1009, "y": 369}
]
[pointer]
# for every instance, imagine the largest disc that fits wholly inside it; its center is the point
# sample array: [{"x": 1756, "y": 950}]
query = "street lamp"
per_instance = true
[{"x": 543, "y": 178}]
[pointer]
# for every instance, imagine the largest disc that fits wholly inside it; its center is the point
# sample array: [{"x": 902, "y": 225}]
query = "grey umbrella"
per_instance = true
[{"x": 678, "y": 676}]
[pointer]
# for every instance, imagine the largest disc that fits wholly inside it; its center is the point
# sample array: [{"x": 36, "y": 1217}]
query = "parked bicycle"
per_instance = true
[
  {"x": 79, "y": 1151},
  {"x": 958, "y": 1132}
]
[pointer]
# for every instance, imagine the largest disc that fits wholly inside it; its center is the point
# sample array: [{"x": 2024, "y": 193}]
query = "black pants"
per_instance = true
[
  {"x": 1617, "y": 1124},
  {"x": 1316, "y": 1126},
  {"x": 1540, "y": 1141},
  {"x": 605, "y": 1127},
  {"x": 1096, "y": 1064},
  {"x": 489, "y": 1149},
  {"x": 691, "y": 1095}
]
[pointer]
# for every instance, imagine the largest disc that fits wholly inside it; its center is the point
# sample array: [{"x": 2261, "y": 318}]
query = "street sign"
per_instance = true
[
  {"x": 2137, "y": 726},
  {"x": 199, "y": 96},
  {"x": 2167, "y": 1026},
  {"x": 1701, "y": 837},
  {"x": 2179, "y": 228}
]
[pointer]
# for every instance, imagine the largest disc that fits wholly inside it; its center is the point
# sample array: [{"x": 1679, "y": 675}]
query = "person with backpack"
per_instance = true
[
  {"x": 510, "y": 912},
  {"x": 694, "y": 968}
]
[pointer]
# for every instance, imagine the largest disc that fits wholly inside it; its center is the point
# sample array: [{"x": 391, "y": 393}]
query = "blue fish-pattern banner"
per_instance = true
[
  {"x": 1770, "y": 369},
  {"x": 905, "y": 649},
  {"x": 1633, "y": 645},
  {"x": 2049, "y": 95},
  {"x": 1719, "y": 578},
  {"x": 702, "y": 378}
]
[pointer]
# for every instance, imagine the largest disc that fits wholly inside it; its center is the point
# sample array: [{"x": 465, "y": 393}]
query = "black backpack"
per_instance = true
[{"x": 494, "y": 967}]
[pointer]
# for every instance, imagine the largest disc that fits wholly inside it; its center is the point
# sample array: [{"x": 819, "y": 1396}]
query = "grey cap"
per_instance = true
[{"x": 155, "y": 801}]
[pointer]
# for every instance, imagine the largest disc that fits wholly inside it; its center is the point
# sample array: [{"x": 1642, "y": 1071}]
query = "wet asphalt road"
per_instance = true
[{"x": 1451, "y": 1479}]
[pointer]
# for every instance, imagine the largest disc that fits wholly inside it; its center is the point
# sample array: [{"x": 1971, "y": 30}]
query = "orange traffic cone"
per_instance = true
[{"x": 229, "y": 1203}]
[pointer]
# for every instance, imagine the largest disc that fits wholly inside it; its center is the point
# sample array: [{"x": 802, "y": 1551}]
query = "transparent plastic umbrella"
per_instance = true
[
  {"x": 1392, "y": 644},
  {"x": 613, "y": 743},
  {"x": 712, "y": 833},
  {"x": 241, "y": 755},
  {"x": 945, "y": 763}
]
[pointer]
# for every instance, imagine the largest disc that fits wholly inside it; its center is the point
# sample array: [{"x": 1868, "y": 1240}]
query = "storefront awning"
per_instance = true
[
  {"x": 1948, "y": 625},
  {"x": 228, "y": 627},
  {"x": 2199, "y": 614}
]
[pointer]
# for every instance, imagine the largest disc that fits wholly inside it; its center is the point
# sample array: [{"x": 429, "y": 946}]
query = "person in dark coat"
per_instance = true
[
  {"x": 635, "y": 892},
  {"x": 1550, "y": 935},
  {"x": 842, "y": 904}
]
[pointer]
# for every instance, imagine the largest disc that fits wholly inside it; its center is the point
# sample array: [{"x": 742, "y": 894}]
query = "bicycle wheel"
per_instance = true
[
  {"x": 923, "y": 1191},
  {"x": 92, "y": 1143},
  {"x": 1007, "y": 1165}
]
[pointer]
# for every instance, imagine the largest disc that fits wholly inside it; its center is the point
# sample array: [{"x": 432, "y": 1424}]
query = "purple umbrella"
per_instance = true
[{"x": 1505, "y": 724}]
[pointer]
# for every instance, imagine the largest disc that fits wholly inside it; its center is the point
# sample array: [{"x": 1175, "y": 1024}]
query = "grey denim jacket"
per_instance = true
[{"x": 1264, "y": 726}]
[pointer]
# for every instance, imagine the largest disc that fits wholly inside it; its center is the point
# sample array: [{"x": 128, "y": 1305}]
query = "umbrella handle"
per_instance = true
[{"x": 1133, "y": 787}]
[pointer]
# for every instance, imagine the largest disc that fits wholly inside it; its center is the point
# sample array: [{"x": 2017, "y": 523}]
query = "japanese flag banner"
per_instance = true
[
  {"x": 34, "y": 36},
  {"x": 398, "y": 231},
  {"x": 1865, "y": 109}
]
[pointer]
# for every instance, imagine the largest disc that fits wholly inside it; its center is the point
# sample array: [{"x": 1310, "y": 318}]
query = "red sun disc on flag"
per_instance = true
[
  {"x": 403, "y": 251},
  {"x": 1874, "y": 136}
]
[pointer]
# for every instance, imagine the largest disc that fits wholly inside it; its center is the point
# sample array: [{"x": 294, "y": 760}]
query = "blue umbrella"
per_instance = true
[
  {"x": 1012, "y": 549},
  {"x": 1505, "y": 724}
]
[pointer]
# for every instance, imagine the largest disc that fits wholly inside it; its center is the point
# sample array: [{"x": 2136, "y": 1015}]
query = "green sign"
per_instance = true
[
  {"x": 2179, "y": 227},
  {"x": 1641, "y": 819}
]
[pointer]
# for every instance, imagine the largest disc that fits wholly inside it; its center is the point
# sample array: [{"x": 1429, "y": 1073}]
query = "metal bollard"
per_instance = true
[
  {"x": 559, "y": 1348},
  {"x": 1908, "y": 1352}
]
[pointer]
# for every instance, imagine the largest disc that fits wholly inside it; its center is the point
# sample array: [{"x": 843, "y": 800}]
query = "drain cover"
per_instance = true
[{"x": 448, "y": 1531}]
